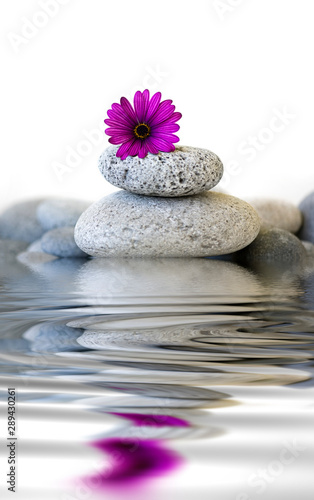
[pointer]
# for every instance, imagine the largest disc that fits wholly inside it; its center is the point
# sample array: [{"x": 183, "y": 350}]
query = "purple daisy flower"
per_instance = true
[{"x": 147, "y": 128}]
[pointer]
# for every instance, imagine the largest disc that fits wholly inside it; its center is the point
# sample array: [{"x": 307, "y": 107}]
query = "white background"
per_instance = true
[{"x": 230, "y": 67}]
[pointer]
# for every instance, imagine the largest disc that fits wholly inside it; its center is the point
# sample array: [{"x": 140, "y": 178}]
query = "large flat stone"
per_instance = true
[{"x": 127, "y": 225}]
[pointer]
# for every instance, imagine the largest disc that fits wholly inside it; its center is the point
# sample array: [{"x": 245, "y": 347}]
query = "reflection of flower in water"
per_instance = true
[{"x": 132, "y": 461}]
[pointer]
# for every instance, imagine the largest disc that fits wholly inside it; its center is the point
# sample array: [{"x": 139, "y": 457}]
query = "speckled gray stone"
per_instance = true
[
  {"x": 60, "y": 212},
  {"x": 307, "y": 208},
  {"x": 278, "y": 213},
  {"x": 274, "y": 245},
  {"x": 60, "y": 242},
  {"x": 19, "y": 222},
  {"x": 128, "y": 225},
  {"x": 186, "y": 171}
]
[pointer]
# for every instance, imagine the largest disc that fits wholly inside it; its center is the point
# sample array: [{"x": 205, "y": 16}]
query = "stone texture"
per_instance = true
[
  {"x": 278, "y": 213},
  {"x": 274, "y": 245},
  {"x": 186, "y": 171},
  {"x": 60, "y": 242},
  {"x": 19, "y": 222},
  {"x": 60, "y": 212},
  {"x": 307, "y": 208},
  {"x": 127, "y": 225}
]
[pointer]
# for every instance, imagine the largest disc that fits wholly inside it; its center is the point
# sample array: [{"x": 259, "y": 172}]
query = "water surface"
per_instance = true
[{"x": 162, "y": 378}]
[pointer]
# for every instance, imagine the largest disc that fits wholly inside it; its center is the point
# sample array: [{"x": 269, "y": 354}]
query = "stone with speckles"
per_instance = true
[
  {"x": 128, "y": 225},
  {"x": 186, "y": 171}
]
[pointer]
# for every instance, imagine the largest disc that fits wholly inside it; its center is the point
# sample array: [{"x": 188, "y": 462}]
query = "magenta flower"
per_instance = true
[{"x": 147, "y": 128}]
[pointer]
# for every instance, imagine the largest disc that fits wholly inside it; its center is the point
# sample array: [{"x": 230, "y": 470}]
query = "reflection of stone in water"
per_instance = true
[
  {"x": 308, "y": 285},
  {"x": 107, "y": 279},
  {"x": 159, "y": 390},
  {"x": 53, "y": 337},
  {"x": 59, "y": 274},
  {"x": 154, "y": 420}
]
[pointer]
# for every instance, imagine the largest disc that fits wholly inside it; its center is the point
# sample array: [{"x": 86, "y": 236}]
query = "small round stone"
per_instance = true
[
  {"x": 128, "y": 225},
  {"x": 60, "y": 212},
  {"x": 60, "y": 242},
  {"x": 19, "y": 222},
  {"x": 274, "y": 245},
  {"x": 307, "y": 208},
  {"x": 185, "y": 171},
  {"x": 277, "y": 213}
]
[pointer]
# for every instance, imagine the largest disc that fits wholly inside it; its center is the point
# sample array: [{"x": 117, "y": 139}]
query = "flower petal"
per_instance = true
[
  {"x": 119, "y": 124},
  {"x": 152, "y": 148},
  {"x": 164, "y": 111},
  {"x": 119, "y": 139},
  {"x": 139, "y": 106},
  {"x": 127, "y": 108},
  {"x": 174, "y": 118},
  {"x": 165, "y": 127},
  {"x": 123, "y": 150},
  {"x": 118, "y": 131},
  {"x": 135, "y": 147},
  {"x": 153, "y": 105},
  {"x": 146, "y": 103},
  {"x": 163, "y": 145},
  {"x": 143, "y": 150},
  {"x": 166, "y": 137},
  {"x": 117, "y": 113}
]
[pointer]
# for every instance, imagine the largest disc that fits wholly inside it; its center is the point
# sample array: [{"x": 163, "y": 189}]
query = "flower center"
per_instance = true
[{"x": 142, "y": 131}]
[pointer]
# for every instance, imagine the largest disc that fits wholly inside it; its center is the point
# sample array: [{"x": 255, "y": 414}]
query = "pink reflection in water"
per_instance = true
[{"x": 131, "y": 462}]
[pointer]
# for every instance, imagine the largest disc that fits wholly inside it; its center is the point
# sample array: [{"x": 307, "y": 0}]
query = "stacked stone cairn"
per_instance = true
[{"x": 166, "y": 208}]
